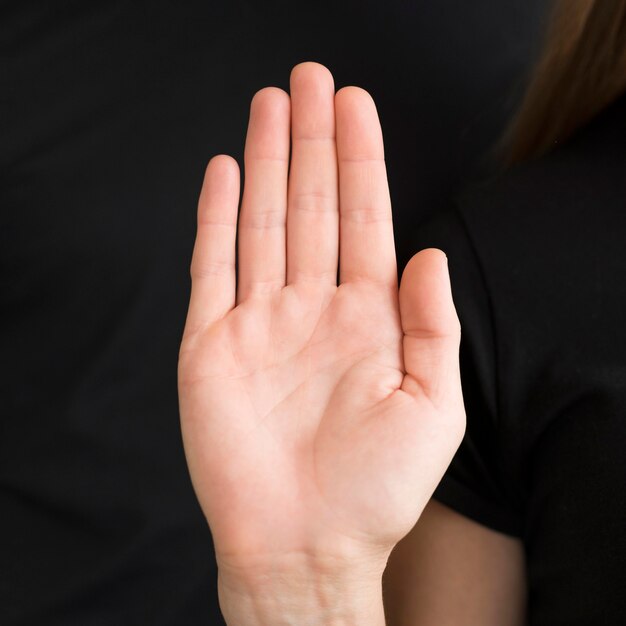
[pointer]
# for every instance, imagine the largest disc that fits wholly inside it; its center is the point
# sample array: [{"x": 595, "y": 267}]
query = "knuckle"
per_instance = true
[
  {"x": 366, "y": 214},
  {"x": 314, "y": 202},
  {"x": 262, "y": 219},
  {"x": 204, "y": 269}
]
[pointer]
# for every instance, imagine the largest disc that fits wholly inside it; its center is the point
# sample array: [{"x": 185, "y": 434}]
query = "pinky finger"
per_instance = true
[{"x": 213, "y": 278}]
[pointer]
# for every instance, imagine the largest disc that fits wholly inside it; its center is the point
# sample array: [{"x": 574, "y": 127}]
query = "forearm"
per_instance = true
[{"x": 301, "y": 597}]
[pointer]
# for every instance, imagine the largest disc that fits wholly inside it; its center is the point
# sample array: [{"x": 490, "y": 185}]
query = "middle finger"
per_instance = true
[{"x": 312, "y": 214}]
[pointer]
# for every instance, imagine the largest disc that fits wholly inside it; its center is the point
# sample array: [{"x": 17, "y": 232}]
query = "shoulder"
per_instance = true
[
  {"x": 536, "y": 229},
  {"x": 548, "y": 203},
  {"x": 538, "y": 264},
  {"x": 554, "y": 202}
]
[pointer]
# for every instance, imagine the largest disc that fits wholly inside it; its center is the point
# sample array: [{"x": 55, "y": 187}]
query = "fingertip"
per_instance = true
[
  {"x": 268, "y": 126},
  {"x": 359, "y": 131},
  {"x": 351, "y": 94},
  {"x": 272, "y": 98},
  {"x": 434, "y": 255},
  {"x": 223, "y": 164},
  {"x": 219, "y": 194},
  {"x": 429, "y": 260},
  {"x": 222, "y": 171},
  {"x": 307, "y": 69},
  {"x": 426, "y": 285}
]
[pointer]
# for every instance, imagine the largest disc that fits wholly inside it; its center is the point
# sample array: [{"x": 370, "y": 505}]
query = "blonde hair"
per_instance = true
[{"x": 582, "y": 69}]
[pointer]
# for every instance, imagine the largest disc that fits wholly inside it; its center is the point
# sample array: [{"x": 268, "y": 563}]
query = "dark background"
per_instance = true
[
  {"x": 173, "y": 80},
  {"x": 109, "y": 112}
]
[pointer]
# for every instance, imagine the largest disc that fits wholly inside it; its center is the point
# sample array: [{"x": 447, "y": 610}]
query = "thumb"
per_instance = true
[{"x": 432, "y": 331}]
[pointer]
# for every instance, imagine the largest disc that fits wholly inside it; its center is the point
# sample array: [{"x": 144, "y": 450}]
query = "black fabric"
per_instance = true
[{"x": 537, "y": 261}]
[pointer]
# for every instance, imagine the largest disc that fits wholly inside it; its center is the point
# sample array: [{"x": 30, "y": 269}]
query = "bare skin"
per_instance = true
[
  {"x": 452, "y": 571},
  {"x": 318, "y": 415}
]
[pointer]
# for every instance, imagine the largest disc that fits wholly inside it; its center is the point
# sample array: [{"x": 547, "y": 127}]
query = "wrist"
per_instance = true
[{"x": 302, "y": 591}]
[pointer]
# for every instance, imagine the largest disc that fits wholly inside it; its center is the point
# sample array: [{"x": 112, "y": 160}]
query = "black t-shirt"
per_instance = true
[{"x": 537, "y": 262}]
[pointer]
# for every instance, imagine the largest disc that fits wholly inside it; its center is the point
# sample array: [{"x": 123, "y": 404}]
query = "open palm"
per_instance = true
[{"x": 319, "y": 409}]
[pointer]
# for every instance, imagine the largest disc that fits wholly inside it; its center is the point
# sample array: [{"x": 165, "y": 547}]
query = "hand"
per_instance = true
[{"x": 317, "y": 417}]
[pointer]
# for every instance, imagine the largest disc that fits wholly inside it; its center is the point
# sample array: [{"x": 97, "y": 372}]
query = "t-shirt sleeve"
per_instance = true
[{"x": 474, "y": 484}]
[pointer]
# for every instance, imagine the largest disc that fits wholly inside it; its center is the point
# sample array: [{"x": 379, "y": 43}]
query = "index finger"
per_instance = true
[{"x": 366, "y": 246}]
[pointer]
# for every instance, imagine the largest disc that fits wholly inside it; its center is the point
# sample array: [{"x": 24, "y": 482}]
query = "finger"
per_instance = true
[
  {"x": 213, "y": 276},
  {"x": 431, "y": 329},
  {"x": 312, "y": 214},
  {"x": 262, "y": 239},
  {"x": 366, "y": 247}
]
